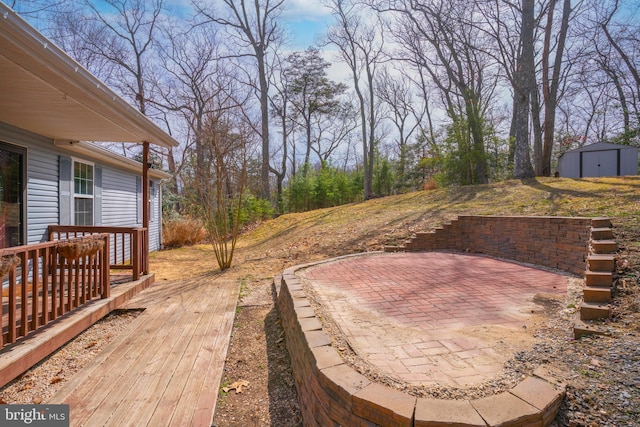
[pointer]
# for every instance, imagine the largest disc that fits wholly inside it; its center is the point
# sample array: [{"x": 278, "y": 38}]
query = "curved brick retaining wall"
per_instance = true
[{"x": 331, "y": 393}]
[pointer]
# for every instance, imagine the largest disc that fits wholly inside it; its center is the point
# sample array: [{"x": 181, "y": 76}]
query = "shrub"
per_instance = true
[
  {"x": 254, "y": 210},
  {"x": 182, "y": 231},
  {"x": 430, "y": 184}
]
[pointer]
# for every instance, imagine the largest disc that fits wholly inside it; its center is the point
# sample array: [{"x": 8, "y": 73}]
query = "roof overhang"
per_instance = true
[
  {"x": 45, "y": 91},
  {"x": 93, "y": 152}
]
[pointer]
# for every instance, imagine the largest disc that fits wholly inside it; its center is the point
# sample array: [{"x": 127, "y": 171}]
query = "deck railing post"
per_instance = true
[
  {"x": 105, "y": 268},
  {"x": 135, "y": 258},
  {"x": 145, "y": 251}
]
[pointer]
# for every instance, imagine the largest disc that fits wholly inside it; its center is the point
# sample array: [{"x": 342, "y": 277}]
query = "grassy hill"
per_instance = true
[
  {"x": 301, "y": 237},
  {"x": 391, "y": 220}
]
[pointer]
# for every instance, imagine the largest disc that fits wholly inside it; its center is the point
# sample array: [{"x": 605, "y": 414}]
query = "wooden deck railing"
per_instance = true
[
  {"x": 129, "y": 246},
  {"x": 44, "y": 281}
]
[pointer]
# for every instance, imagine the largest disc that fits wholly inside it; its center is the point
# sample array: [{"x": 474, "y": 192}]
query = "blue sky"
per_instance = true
[{"x": 306, "y": 20}]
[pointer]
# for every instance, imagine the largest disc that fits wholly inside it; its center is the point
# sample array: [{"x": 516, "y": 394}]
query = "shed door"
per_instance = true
[{"x": 600, "y": 163}]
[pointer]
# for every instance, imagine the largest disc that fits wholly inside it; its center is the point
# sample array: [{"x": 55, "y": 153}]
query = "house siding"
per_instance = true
[
  {"x": 119, "y": 199},
  {"x": 42, "y": 180},
  {"x": 119, "y": 192}
]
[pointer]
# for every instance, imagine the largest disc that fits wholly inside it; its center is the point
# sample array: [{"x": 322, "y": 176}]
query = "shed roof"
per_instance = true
[
  {"x": 600, "y": 146},
  {"x": 46, "y": 92}
]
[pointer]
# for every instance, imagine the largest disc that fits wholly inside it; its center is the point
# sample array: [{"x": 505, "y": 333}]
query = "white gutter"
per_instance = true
[{"x": 29, "y": 49}]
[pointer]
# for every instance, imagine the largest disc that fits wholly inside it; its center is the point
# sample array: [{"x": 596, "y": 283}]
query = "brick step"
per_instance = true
[
  {"x": 601, "y": 262},
  {"x": 601, "y": 234},
  {"x": 590, "y": 294},
  {"x": 604, "y": 246},
  {"x": 598, "y": 278},
  {"x": 594, "y": 311},
  {"x": 601, "y": 222},
  {"x": 420, "y": 234}
]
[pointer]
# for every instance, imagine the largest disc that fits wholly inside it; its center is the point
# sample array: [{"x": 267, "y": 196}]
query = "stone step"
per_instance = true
[
  {"x": 601, "y": 222},
  {"x": 598, "y": 278},
  {"x": 601, "y": 262},
  {"x": 581, "y": 329},
  {"x": 596, "y": 294},
  {"x": 604, "y": 246},
  {"x": 601, "y": 234},
  {"x": 594, "y": 311}
]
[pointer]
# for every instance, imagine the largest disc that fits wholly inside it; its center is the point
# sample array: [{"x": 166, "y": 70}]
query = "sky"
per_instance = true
[{"x": 307, "y": 20}]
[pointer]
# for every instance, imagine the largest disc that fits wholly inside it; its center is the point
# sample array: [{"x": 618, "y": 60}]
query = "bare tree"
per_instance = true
[
  {"x": 220, "y": 181},
  {"x": 361, "y": 47},
  {"x": 253, "y": 25},
  {"x": 396, "y": 92},
  {"x": 524, "y": 85},
  {"x": 281, "y": 109},
  {"x": 116, "y": 40},
  {"x": 618, "y": 52},
  {"x": 193, "y": 83},
  {"x": 441, "y": 38},
  {"x": 332, "y": 129},
  {"x": 551, "y": 81}
]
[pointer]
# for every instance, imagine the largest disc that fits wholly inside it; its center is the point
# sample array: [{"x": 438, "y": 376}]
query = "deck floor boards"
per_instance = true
[{"x": 165, "y": 369}]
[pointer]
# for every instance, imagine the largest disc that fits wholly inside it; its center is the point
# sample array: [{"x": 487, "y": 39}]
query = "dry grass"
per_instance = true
[
  {"x": 302, "y": 237},
  {"x": 181, "y": 232}
]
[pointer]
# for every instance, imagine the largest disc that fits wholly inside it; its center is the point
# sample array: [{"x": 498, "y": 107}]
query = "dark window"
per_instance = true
[{"x": 12, "y": 189}]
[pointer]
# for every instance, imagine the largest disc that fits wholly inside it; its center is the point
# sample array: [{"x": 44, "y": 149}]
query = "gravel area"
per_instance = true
[{"x": 42, "y": 381}]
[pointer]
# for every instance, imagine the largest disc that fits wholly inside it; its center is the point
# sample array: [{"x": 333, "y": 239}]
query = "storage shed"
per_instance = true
[{"x": 599, "y": 159}]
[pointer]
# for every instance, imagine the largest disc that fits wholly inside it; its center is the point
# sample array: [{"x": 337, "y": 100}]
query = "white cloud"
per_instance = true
[{"x": 305, "y": 10}]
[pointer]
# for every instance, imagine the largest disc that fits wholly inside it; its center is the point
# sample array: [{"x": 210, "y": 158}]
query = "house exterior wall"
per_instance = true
[{"x": 117, "y": 198}]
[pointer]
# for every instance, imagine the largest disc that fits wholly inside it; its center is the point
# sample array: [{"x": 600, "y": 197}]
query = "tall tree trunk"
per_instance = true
[
  {"x": 536, "y": 124},
  {"x": 550, "y": 87},
  {"x": 522, "y": 93},
  {"x": 264, "y": 110}
]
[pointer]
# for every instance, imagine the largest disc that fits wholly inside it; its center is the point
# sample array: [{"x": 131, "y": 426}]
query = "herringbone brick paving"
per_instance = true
[{"x": 433, "y": 318}]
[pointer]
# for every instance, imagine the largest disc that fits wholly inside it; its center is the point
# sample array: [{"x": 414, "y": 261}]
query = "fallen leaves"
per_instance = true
[{"x": 237, "y": 386}]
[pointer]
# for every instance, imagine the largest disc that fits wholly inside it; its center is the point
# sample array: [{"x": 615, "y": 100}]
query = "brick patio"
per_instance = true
[{"x": 433, "y": 318}]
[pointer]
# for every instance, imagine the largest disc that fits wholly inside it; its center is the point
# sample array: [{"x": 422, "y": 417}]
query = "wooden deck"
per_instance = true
[{"x": 166, "y": 368}]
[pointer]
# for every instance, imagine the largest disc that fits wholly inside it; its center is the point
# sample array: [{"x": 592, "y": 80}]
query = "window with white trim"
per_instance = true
[{"x": 83, "y": 182}]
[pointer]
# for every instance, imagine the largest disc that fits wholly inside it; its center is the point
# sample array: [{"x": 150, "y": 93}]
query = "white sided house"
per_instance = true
[
  {"x": 45, "y": 182},
  {"x": 49, "y": 105},
  {"x": 72, "y": 213}
]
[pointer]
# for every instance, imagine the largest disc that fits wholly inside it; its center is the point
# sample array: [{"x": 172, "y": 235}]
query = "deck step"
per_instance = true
[
  {"x": 596, "y": 294},
  {"x": 594, "y": 311},
  {"x": 601, "y": 234},
  {"x": 601, "y": 262},
  {"x": 601, "y": 222},
  {"x": 604, "y": 246},
  {"x": 598, "y": 278}
]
